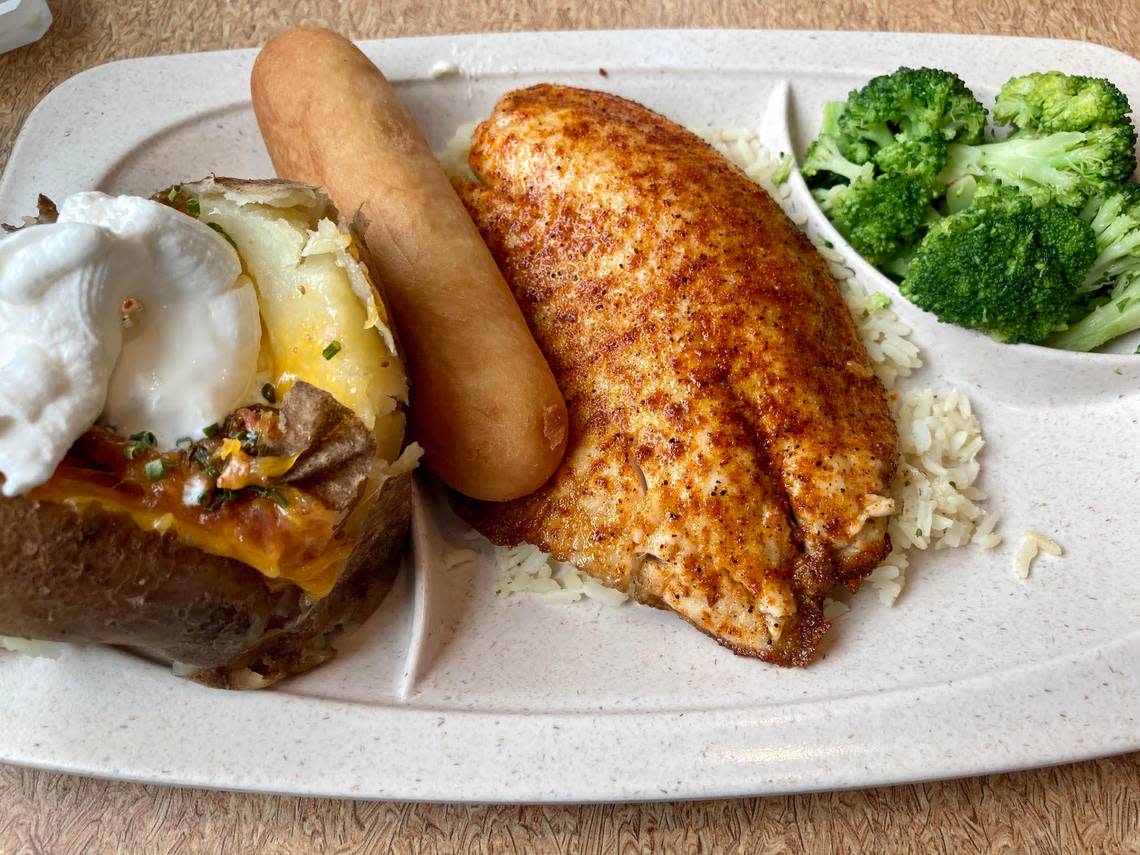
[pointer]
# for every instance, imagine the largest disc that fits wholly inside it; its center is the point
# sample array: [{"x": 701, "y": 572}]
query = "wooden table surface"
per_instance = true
[{"x": 1090, "y": 807}]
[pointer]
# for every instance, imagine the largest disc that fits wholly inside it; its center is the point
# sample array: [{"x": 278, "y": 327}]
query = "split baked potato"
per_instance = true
[{"x": 276, "y": 530}]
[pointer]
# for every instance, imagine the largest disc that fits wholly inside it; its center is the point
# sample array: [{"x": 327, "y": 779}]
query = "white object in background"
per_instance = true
[{"x": 22, "y": 22}]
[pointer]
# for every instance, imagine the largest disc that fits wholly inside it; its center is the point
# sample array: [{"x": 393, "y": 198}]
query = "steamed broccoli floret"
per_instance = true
[
  {"x": 909, "y": 104},
  {"x": 923, "y": 158},
  {"x": 1067, "y": 166},
  {"x": 1003, "y": 266},
  {"x": 1052, "y": 101},
  {"x": 1115, "y": 221},
  {"x": 1119, "y": 316},
  {"x": 877, "y": 216}
]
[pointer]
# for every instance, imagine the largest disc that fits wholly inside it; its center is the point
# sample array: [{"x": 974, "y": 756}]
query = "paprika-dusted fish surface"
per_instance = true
[{"x": 731, "y": 451}]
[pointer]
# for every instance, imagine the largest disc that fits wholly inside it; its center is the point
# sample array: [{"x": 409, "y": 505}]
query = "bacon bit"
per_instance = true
[
  {"x": 603, "y": 72},
  {"x": 128, "y": 310},
  {"x": 236, "y": 473}
]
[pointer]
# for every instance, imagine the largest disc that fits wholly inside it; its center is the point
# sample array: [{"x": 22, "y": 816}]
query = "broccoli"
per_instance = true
[
  {"x": 922, "y": 157},
  {"x": 1019, "y": 237},
  {"x": 1003, "y": 266},
  {"x": 1054, "y": 101},
  {"x": 1120, "y": 315},
  {"x": 783, "y": 170},
  {"x": 1115, "y": 221},
  {"x": 1072, "y": 139},
  {"x": 878, "y": 216},
  {"x": 1067, "y": 166},
  {"x": 906, "y": 105},
  {"x": 824, "y": 156}
]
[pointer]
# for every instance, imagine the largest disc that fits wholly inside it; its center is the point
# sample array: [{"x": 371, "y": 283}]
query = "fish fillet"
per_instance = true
[{"x": 730, "y": 449}]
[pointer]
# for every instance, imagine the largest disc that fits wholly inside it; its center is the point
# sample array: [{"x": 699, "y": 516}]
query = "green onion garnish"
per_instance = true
[
  {"x": 331, "y": 350},
  {"x": 183, "y": 442},
  {"x": 211, "y": 431},
  {"x": 174, "y": 191},
  {"x": 222, "y": 497},
  {"x": 193, "y": 208},
  {"x": 155, "y": 469},
  {"x": 202, "y": 457},
  {"x": 223, "y": 233},
  {"x": 270, "y": 493},
  {"x": 269, "y": 393},
  {"x": 139, "y": 443}
]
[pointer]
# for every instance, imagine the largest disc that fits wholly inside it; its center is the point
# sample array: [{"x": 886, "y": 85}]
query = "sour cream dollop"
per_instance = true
[{"x": 186, "y": 358}]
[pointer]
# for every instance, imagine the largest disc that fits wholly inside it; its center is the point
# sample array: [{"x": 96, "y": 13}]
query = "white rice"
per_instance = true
[
  {"x": 937, "y": 504},
  {"x": 1033, "y": 542},
  {"x": 528, "y": 568}
]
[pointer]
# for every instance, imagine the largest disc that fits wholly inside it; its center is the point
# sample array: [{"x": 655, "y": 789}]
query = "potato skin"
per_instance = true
[{"x": 93, "y": 576}]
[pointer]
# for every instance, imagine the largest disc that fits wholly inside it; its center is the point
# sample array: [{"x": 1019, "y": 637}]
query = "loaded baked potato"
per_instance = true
[{"x": 239, "y": 550}]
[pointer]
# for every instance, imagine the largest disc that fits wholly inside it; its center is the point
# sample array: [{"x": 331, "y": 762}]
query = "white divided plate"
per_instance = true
[{"x": 453, "y": 693}]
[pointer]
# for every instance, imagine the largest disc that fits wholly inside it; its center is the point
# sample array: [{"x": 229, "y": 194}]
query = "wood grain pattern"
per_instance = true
[{"x": 1085, "y": 807}]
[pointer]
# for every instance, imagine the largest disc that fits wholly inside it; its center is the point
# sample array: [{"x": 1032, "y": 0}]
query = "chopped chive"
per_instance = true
[
  {"x": 211, "y": 431},
  {"x": 155, "y": 469},
  {"x": 270, "y": 493},
  {"x": 269, "y": 393},
  {"x": 331, "y": 350},
  {"x": 223, "y": 233},
  {"x": 202, "y": 458},
  {"x": 203, "y": 498},
  {"x": 183, "y": 442},
  {"x": 193, "y": 208},
  {"x": 139, "y": 443},
  {"x": 174, "y": 191},
  {"x": 222, "y": 496}
]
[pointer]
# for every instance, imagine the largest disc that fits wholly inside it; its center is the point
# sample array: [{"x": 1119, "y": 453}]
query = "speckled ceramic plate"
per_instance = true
[{"x": 453, "y": 693}]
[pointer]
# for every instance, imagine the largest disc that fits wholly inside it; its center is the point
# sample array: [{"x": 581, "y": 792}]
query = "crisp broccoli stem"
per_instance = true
[
  {"x": 824, "y": 156},
  {"x": 1066, "y": 166},
  {"x": 1117, "y": 240},
  {"x": 1119, "y": 257},
  {"x": 832, "y": 110},
  {"x": 879, "y": 134},
  {"x": 1119, "y": 316},
  {"x": 960, "y": 193}
]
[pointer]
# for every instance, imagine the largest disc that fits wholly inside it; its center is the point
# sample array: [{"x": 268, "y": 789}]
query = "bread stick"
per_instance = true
[{"x": 484, "y": 403}]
